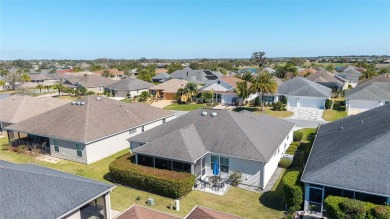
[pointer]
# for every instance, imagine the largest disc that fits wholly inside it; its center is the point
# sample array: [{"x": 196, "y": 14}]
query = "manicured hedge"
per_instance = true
[
  {"x": 292, "y": 148},
  {"x": 293, "y": 192},
  {"x": 328, "y": 104},
  {"x": 284, "y": 163},
  {"x": 163, "y": 182},
  {"x": 297, "y": 136},
  {"x": 341, "y": 207}
]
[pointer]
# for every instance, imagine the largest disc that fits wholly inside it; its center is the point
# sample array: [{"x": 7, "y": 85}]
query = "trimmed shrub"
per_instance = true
[
  {"x": 284, "y": 163},
  {"x": 332, "y": 206},
  {"x": 343, "y": 108},
  {"x": 278, "y": 106},
  {"x": 381, "y": 212},
  {"x": 353, "y": 209},
  {"x": 328, "y": 104},
  {"x": 257, "y": 101},
  {"x": 293, "y": 147},
  {"x": 235, "y": 178},
  {"x": 297, "y": 136},
  {"x": 163, "y": 182},
  {"x": 293, "y": 192}
]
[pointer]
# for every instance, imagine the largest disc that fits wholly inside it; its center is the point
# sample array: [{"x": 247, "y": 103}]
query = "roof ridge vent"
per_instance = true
[
  {"x": 204, "y": 113},
  {"x": 78, "y": 103},
  {"x": 73, "y": 103},
  {"x": 82, "y": 103},
  {"x": 214, "y": 114}
]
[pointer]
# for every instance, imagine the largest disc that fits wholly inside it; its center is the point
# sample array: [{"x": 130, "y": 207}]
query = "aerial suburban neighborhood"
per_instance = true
[{"x": 236, "y": 109}]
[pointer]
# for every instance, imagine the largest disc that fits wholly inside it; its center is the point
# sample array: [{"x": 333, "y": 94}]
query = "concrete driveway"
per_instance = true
[
  {"x": 306, "y": 113},
  {"x": 162, "y": 103}
]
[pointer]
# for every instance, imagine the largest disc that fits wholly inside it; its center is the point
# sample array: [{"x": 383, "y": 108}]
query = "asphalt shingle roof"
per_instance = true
[
  {"x": 31, "y": 191},
  {"x": 170, "y": 86},
  {"x": 16, "y": 108},
  {"x": 245, "y": 135},
  {"x": 130, "y": 84},
  {"x": 376, "y": 88},
  {"x": 97, "y": 118},
  {"x": 93, "y": 80},
  {"x": 197, "y": 76},
  {"x": 353, "y": 153},
  {"x": 350, "y": 74},
  {"x": 139, "y": 212},
  {"x": 299, "y": 86},
  {"x": 200, "y": 212}
]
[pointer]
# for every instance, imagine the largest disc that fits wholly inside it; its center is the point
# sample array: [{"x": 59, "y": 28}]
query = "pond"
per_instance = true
[{"x": 2, "y": 96}]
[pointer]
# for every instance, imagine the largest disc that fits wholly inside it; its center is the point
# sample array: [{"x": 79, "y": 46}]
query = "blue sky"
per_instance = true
[{"x": 192, "y": 29}]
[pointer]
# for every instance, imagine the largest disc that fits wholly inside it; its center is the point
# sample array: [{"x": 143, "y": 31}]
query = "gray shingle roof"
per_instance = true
[
  {"x": 31, "y": 191},
  {"x": 299, "y": 86},
  {"x": 130, "y": 84},
  {"x": 377, "y": 88},
  {"x": 92, "y": 80},
  {"x": 92, "y": 121},
  {"x": 197, "y": 76},
  {"x": 16, "y": 108},
  {"x": 172, "y": 144},
  {"x": 354, "y": 157},
  {"x": 162, "y": 76},
  {"x": 325, "y": 77},
  {"x": 245, "y": 135},
  {"x": 350, "y": 74}
]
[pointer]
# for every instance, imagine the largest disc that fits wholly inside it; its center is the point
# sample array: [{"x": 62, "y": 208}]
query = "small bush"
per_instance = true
[
  {"x": 90, "y": 93},
  {"x": 257, "y": 101},
  {"x": 297, "y": 136},
  {"x": 293, "y": 192},
  {"x": 278, "y": 106},
  {"x": 332, "y": 206},
  {"x": 353, "y": 209},
  {"x": 163, "y": 182},
  {"x": 292, "y": 148},
  {"x": 284, "y": 163},
  {"x": 328, "y": 104},
  {"x": 144, "y": 96},
  {"x": 381, "y": 212},
  {"x": 343, "y": 108},
  {"x": 235, "y": 178}
]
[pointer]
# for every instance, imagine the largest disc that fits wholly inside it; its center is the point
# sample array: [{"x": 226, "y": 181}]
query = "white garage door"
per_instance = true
[
  {"x": 292, "y": 101},
  {"x": 312, "y": 102},
  {"x": 362, "y": 105}
]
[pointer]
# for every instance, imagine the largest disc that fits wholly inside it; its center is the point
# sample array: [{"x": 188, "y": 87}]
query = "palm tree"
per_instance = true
[
  {"x": 180, "y": 93},
  {"x": 264, "y": 83},
  {"x": 60, "y": 87},
  {"x": 47, "y": 87},
  {"x": 242, "y": 90},
  {"x": 40, "y": 87},
  {"x": 192, "y": 89},
  {"x": 369, "y": 73},
  {"x": 25, "y": 78}
]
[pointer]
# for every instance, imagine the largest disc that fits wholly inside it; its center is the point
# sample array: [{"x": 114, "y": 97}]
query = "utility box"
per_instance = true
[
  {"x": 150, "y": 201},
  {"x": 177, "y": 205}
]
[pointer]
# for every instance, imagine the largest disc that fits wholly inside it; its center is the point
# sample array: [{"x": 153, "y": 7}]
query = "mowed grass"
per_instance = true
[
  {"x": 235, "y": 201},
  {"x": 333, "y": 115},
  {"x": 267, "y": 110},
  {"x": 185, "y": 107}
]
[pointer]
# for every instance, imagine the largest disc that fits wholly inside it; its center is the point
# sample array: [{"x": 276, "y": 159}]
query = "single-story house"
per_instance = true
[
  {"x": 350, "y": 158},
  {"x": 223, "y": 89},
  {"x": 168, "y": 89},
  {"x": 247, "y": 142},
  {"x": 301, "y": 92},
  {"x": 114, "y": 73},
  {"x": 198, "y": 212},
  {"x": 198, "y": 76},
  {"x": 93, "y": 82},
  {"x": 330, "y": 80},
  {"x": 16, "y": 108},
  {"x": 32, "y": 191},
  {"x": 128, "y": 86},
  {"x": 161, "y": 77},
  {"x": 350, "y": 74},
  {"x": 88, "y": 130},
  {"x": 368, "y": 94}
]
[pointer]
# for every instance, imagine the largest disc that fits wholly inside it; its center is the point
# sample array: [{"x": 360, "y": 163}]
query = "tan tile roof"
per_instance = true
[
  {"x": 170, "y": 86},
  {"x": 113, "y": 71},
  {"x": 99, "y": 117},
  {"x": 16, "y": 108},
  {"x": 139, "y": 212},
  {"x": 200, "y": 212},
  {"x": 231, "y": 80}
]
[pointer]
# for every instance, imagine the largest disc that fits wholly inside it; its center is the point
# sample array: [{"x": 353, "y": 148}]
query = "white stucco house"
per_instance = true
[
  {"x": 250, "y": 143},
  {"x": 223, "y": 89},
  {"x": 368, "y": 94},
  {"x": 128, "y": 86},
  {"x": 301, "y": 92},
  {"x": 88, "y": 130}
]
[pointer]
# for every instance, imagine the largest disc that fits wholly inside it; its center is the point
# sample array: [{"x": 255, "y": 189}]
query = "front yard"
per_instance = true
[
  {"x": 267, "y": 110},
  {"x": 335, "y": 113},
  {"x": 235, "y": 201},
  {"x": 185, "y": 107}
]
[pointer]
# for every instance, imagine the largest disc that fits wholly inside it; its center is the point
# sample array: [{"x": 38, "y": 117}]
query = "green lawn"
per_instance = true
[
  {"x": 235, "y": 201},
  {"x": 335, "y": 113},
  {"x": 185, "y": 107},
  {"x": 267, "y": 110},
  {"x": 67, "y": 97}
]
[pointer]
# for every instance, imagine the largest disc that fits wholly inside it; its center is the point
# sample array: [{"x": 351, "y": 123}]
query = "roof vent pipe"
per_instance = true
[
  {"x": 204, "y": 113},
  {"x": 73, "y": 103},
  {"x": 341, "y": 128},
  {"x": 214, "y": 114}
]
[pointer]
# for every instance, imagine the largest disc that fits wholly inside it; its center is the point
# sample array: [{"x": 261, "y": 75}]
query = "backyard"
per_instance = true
[
  {"x": 267, "y": 110},
  {"x": 235, "y": 201}
]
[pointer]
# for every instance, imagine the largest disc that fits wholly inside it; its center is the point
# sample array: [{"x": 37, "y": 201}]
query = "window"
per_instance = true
[
  {"x": 223, "y": 163},
  {"x": 56, "y": 147},
  {"x": 132, "y": 131},
  {"x": 79, "y": 149},
  {"x": 219, "y": 82},
  {"x": 268, "y": 99}
]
